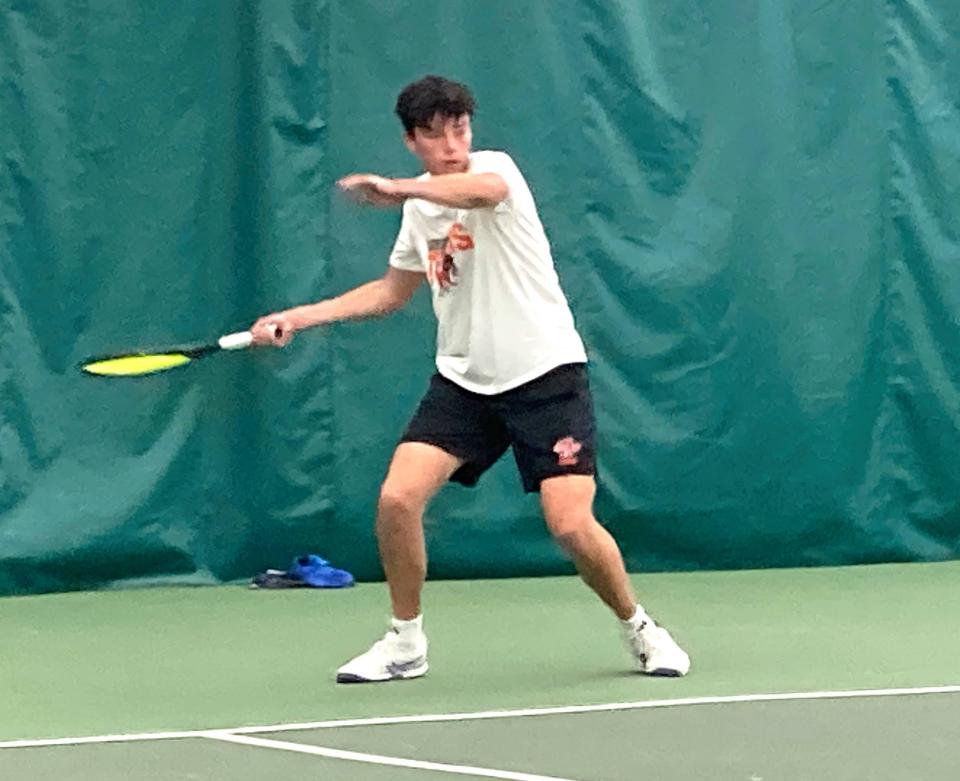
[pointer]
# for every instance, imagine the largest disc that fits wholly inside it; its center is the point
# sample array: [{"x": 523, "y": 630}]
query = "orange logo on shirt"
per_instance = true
[
  {"x": 442, "y": 267},
  {"x": 459, "y": 238}
]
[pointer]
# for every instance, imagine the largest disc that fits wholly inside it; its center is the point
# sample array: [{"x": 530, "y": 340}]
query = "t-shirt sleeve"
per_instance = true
[
  {"x": 404, "y": 255},
  {"x": 501, "y": 163}
]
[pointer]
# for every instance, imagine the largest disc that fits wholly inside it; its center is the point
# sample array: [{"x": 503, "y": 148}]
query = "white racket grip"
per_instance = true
[{"x": 237, "y": 341}]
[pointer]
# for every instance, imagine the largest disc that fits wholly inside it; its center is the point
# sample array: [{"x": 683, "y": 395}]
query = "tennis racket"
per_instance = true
[{"x": 138, "y": 364}]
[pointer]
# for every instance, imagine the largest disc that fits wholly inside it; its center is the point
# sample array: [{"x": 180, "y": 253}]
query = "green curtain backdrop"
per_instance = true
[{"x": 753, "y": 208}]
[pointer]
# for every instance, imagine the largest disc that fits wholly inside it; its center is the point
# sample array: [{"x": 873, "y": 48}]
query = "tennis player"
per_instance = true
[{"x": 511, "y": 372}]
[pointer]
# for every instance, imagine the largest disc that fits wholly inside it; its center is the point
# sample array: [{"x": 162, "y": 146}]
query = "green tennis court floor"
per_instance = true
[{"x": 828, "y": 673}]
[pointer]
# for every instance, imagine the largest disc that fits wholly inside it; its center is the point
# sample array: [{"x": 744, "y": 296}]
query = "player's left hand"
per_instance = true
[{"x": 372, "y": 189}]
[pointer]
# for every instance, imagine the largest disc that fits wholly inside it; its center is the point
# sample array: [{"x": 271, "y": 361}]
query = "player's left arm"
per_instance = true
[{"x": 458, "y": 191}]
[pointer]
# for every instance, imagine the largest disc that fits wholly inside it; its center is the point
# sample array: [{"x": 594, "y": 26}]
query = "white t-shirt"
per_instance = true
[{"x": 502, "y": 319}]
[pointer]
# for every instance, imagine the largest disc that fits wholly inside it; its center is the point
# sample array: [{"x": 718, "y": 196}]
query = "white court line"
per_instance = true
[
  {"x": 132, "y": 738},
  {"x": 377, "y": 759},
  {"x": 497, "y": 714},
  {"x": 605, "y": 707}
]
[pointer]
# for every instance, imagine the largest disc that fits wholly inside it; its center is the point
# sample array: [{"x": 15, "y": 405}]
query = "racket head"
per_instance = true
[
  {"x": 142, "y": 363},
  {"x": 135, "y": 365}
]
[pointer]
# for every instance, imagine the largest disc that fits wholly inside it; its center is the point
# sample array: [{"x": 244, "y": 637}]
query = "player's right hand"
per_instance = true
[{"x": 274, "y": 330}]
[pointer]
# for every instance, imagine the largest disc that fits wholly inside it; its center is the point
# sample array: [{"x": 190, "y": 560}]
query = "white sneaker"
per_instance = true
[
  {"x": 655, "y": 652},
  {"x": 389, "y": 659}
]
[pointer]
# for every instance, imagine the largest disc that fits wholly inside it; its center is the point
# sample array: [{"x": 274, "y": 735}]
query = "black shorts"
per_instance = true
[{"x": 548, "y": 421}]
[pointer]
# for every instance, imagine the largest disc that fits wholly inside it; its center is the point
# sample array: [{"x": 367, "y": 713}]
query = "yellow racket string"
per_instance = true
[{"x": 132, "y": 365}]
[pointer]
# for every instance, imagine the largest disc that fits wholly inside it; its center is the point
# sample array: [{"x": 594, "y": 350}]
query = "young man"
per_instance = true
[{"x": 511, "y": 372}]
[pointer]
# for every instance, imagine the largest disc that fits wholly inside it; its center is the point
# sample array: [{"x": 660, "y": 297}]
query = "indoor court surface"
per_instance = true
[{"x": 823, "y": 673}]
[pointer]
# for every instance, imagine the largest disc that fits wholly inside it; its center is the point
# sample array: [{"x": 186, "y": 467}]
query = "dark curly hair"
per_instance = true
[{"x": 420, "y": 101}]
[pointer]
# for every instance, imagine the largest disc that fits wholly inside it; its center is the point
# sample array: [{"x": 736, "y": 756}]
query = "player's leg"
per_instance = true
[
  {"x": 551, "y": 423},
  {"x": 452, "y": 437},
  {"x": 416, "y": 473},
  {"x": 567, "y": 503},
  {"x": 568, "y": 509}
]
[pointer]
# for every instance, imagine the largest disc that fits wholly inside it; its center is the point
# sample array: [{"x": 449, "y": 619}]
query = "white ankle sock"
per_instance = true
[
  {"x": 639, "y": 618},
  {"x": 408, "y": 629}
]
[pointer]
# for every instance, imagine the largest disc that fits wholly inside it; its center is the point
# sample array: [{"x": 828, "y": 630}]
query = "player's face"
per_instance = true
[{"x": 444, "y": 147}]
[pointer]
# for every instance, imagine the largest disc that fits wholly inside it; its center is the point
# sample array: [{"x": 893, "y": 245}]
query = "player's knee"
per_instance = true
[
  {"x": 398, "y": 504},
  {"x": 572, "y": 531}
]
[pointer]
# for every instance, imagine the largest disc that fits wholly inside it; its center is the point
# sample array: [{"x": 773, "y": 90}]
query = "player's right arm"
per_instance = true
[{"x": 374, "y": 299}]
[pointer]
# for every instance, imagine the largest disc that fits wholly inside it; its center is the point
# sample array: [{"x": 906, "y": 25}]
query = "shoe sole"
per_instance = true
[
  {"x": 416, "y": 672},
  {"x": 664, "y": 672}
]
